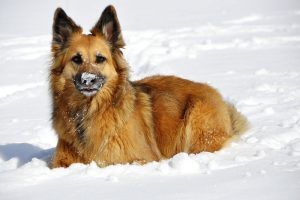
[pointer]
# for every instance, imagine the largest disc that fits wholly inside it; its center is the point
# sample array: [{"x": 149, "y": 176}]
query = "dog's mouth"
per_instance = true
[
  {"x": 88, "y": 84},
  {"x": 89, "y": 91}
]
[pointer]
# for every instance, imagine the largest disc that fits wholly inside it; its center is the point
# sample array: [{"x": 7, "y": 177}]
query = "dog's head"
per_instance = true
[{"x": 85, "y": 62}]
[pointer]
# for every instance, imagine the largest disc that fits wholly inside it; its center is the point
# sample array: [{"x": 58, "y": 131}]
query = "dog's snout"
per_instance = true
[
  {"x": 86, "y": 79},
  {"x": 88, "y": 82}
]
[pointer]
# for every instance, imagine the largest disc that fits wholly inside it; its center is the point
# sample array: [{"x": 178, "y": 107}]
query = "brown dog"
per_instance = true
[{"x": 99, "y": 115}]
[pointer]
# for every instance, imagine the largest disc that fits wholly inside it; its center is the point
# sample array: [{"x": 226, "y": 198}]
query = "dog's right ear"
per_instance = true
[{"x": 63, "y": 27}]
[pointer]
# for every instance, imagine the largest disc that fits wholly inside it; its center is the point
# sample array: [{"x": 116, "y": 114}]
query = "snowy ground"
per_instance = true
[{"x": 249, "y": 50}]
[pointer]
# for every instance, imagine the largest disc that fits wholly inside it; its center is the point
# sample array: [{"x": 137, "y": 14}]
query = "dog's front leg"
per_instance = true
[{"x": 65, "y": 155}]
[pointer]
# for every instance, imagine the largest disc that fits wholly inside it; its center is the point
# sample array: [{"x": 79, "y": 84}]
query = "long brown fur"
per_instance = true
[{"x": 125, "y": 122}]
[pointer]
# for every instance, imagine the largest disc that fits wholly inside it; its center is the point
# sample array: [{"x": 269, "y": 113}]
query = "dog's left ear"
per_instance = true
[{"x": 108, "y": 25}]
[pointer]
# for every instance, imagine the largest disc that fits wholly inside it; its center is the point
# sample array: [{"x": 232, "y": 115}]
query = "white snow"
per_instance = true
[
  {"x": 249, "y": 50},
  {"x": 250, "y": 18}
]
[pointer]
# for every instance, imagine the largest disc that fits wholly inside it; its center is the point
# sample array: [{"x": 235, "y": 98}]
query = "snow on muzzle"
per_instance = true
[{"x": 88, "y": 83}]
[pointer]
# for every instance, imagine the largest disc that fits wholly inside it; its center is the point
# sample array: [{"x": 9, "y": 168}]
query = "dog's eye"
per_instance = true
[
  {"x": 100, "y": 59},
  {"x": 77, "y": 59}
]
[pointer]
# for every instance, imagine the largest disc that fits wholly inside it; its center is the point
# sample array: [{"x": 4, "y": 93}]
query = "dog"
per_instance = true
[{"x": 100, "y": 115}]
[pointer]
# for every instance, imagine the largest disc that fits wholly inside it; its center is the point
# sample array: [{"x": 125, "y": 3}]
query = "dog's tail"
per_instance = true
[{"x": 239, "y": 122}]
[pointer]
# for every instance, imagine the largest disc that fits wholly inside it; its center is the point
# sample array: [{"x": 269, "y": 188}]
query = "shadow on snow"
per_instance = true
[{"x": 24, "y": 152}]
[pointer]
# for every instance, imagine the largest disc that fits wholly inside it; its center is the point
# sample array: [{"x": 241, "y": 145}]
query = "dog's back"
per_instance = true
[{"x": 189, "y": 116}]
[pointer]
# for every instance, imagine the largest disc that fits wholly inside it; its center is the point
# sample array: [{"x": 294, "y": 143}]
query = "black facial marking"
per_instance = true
[{"x": 88, "y": 84}]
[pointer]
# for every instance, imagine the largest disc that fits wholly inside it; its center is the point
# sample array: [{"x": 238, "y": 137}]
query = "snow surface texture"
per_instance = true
[{"x": 249, "y": 50}]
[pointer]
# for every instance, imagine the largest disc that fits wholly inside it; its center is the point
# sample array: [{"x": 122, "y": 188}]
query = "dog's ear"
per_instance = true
[
  {"x": 108, "y": 25},
  {"x": 63, "y": 27}
]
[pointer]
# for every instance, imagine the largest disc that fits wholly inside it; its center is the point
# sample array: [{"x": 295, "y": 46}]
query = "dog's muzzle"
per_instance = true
[{"x": 88, "y": 83}]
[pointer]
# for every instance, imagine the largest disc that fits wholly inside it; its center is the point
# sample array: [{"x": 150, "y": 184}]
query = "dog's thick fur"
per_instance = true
[{"x": 125, "y": 122}]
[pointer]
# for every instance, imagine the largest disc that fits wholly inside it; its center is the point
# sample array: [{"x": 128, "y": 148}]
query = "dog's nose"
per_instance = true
[{"x": 84, "y": 81}]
